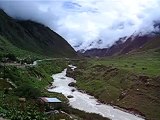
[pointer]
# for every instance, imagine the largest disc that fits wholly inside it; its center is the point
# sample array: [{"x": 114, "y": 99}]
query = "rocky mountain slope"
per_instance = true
[{"x": 132, "y": 44}]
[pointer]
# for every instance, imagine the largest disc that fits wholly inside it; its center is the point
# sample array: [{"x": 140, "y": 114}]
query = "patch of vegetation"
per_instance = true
[
  {"x": 12, "y": 108},
  {"x": 33, "y": 38},
  {"x": 31, "y": 82},
  {"x": 121, "y": 81},
  {"x": 8, "y": 48},
  {"x": 4, "y": 85},
  {"x": 82, "y": 115},
  {"x": 146, "y": 63},
  {"x": 27, "y": 91}
]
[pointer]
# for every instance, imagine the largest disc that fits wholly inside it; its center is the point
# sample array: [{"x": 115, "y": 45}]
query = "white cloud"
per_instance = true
[{"x": 85, "y": 22}]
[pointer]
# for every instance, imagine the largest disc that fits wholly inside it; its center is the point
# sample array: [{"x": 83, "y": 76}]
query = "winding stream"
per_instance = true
[{"x": 85, "y": 102}]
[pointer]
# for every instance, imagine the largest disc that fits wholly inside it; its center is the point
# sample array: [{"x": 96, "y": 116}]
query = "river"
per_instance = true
[{"x": 85, "y": 102}]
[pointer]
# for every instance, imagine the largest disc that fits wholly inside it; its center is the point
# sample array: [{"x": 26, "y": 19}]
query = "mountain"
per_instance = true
[
  {"x": 32, "y": 38},
  {"x": 132, "y": 44}
]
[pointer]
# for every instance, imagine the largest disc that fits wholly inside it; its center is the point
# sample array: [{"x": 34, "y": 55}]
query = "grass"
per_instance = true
[
  {"x": 32, "y": 38},
  {"x": 142, "y": 63},
  {"x": 11, "y": 108},
  {"x": 38, "y": 77},
  {"x": 129, "y": 81},
  {"x": 4, "y": 84},
  {"x": 82, "y": 115},
  {"x": 7, "y": 47}
]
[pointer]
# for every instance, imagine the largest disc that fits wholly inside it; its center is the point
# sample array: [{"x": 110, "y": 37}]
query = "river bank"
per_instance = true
[{"x": 86, "y": 102}]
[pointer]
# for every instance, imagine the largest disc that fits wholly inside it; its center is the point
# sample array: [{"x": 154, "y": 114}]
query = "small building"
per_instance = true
[{"x": 50, "y": 103}]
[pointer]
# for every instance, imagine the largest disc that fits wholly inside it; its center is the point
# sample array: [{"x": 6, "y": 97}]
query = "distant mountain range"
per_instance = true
[
  {"x": 18, "y": 36},
  {"x": 128, "y": 45},
  {"x": 28, "y": 37}
]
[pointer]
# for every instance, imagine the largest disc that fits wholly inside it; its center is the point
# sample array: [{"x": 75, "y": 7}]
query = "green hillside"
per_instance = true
[
  {"x": 131, "y": 81},
  {"x": 31, "y": 38}
]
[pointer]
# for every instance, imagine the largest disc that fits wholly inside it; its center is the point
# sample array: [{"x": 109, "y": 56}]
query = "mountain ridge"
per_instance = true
[
  {"x": 33, "y": 37},
  {"x": 131, "y": 44}
]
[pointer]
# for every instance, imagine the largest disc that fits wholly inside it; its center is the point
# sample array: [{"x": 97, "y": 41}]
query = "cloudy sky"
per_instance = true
[{"x": 88, "y": 24}]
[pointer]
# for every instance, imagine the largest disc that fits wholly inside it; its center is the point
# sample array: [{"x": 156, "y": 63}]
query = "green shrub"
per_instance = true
[
  {"x": 11, "y": 57},
  {"x": 27, "y": 91},
  {"x": 30, "y": 113}
]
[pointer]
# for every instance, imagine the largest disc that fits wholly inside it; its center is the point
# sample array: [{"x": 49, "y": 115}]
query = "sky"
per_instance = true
[{"x": 87, "y": 24}]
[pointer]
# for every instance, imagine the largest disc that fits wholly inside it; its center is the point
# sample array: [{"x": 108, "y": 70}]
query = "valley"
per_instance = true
[
  {"x": 84, "y": 102},
  {"x": 128, "y": 81},
  {"x": 120, "y": 82}
]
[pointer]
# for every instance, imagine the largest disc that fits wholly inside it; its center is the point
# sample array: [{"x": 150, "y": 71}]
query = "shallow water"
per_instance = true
[{"x": 85, "y": 102}]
